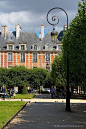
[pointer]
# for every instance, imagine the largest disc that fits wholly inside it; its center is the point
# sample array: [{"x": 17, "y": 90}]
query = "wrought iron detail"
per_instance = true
[{"x": 54, "y": 18}]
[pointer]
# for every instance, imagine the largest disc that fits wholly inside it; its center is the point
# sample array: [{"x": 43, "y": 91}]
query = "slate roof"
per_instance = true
[
  {"x": 30, "y": 38},
  {"x": 47, "y": 40}
]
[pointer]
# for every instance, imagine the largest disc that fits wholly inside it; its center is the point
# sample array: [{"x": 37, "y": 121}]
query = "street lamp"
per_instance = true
[
  {"x": 53, "y": 38},
  {"x": 54, "y": 35}
]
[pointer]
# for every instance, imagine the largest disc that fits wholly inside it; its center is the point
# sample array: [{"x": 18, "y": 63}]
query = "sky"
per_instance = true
[{"x": 30, "y": 14}]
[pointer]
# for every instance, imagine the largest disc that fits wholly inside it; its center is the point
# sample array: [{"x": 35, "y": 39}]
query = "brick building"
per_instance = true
[{"x": 25, "y": 48}]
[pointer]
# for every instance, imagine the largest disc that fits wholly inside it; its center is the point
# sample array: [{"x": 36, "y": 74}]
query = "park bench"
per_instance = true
[{"x": 5, "y": 95}]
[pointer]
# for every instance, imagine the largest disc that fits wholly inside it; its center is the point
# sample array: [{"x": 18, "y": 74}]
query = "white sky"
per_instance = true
[{"x": 30, "y": 14}]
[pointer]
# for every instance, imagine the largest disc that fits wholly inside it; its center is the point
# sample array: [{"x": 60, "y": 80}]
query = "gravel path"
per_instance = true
[{"x": 50, "y": 116}]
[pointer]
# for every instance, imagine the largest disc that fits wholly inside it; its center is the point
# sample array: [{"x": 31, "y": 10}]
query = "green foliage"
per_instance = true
[
  {"x": 24, "y": 90},
  {"x": 74, "y": 45},
  {"x": 38, "y": 76},
  {"x": 48, "y": 80},
  {"x": 58, "y": 72},
  {"x": 19, "y": 75},
  {"x": 3, "y": 76}
]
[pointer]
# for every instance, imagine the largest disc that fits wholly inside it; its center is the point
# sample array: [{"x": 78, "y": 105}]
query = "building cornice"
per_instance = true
[
  {"x": 10, "y": 42},
  {"x": 30, "y": 51}
]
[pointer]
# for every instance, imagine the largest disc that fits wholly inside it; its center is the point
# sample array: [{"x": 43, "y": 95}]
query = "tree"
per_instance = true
[
  {"x": 3, "y": 76},
  {"x": 24, "y": 90},
  {"x": 74, "y": 43},
  {"x": 58, "y": 72},
  {"x": 48, "y": 80},
  {"x": 18, "y": 76},
  {"x": 38, "y": 77}
]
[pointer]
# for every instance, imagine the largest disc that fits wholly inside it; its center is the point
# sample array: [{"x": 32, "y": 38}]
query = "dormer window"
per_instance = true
[
  {"x": 59, "y": 47},
  {"x": 47, "y": 47},
  {"x": 22, "y": 47},
  {"x": 10, "y": 47},
  {"x": 35, "y": 47}
]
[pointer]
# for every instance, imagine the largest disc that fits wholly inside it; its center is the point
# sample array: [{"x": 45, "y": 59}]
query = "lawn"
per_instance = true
[
  {"x": 23, "y": 96},
  {"x": 8, "y": 109}
]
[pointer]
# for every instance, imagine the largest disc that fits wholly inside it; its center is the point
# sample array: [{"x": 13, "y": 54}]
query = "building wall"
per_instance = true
[{"x": 16, "y": 60}]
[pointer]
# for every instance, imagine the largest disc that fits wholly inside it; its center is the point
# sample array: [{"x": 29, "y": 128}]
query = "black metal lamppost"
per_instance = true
[{"x": 54, "y": 39}]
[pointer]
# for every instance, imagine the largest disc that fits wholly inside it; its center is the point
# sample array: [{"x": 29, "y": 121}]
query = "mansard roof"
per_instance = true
[{"x": 30, "y": 38}]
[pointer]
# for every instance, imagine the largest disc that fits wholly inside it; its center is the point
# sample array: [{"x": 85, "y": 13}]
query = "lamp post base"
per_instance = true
[
  {"x": 68, "y": 109},
  {"x": 68, "y": 101}
]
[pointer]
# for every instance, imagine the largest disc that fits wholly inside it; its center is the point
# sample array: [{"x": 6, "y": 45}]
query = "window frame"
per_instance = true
[
  {"x": 21, "y": 44},
  {"x": 10, "y": 58},
  {"x": 22, "y": 57},
  {"x": 35, "y": 60},
  {"x": 36, "y": 47},
  {"x": 23, "y": 47},
  {"x": 60, "y": 47},
  {"x": 47, "y": 48},
  {"x": 9, "y": 44},
  {"x": 47, "y": 58},
  {"x": 10, "y": 47}
]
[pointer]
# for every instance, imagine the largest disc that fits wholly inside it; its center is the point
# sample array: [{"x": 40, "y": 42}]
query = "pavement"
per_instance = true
[
  {"x": 42, "y": 112},
  {"x": 46, "y": 98}
]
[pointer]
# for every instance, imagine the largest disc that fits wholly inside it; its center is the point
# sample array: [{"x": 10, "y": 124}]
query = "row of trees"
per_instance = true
[
  {"x": 19, "y": 75},
  {"x": 73, "y": 44}
]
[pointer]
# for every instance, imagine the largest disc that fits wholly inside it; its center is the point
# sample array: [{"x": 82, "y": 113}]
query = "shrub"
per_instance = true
[{"x": 24, "y": 90}]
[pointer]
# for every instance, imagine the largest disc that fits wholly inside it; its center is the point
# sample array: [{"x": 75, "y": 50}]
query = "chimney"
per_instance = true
[
  {"x": 18, "y": 29},
  {"x": 3, "y": 30},
  {"x": 42, "y": 31},
  {"x": 40, "y": 36},
  {"x": 64, "y": 27}
]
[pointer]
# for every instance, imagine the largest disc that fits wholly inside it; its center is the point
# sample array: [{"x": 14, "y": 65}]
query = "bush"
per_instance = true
[
  {"x": 24, "y": 90},
  {"x": 44, "y": 92}
]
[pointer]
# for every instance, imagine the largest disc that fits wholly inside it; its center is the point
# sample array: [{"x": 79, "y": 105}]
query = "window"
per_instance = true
[
  {"x": 22, "y": 47},
  {"x": 48, "y": 57},
  {"x": 35, "y": 47},
  {"x": 34, "y": 57},
  {"x": 22, "y": 57},
  {"x": 10, "y": 47},
  {"x": 59, "y": 54},
  {"x": 47, "y": 47},
  {"x": 9, "y": 67},
  {"x": 9, "y": 56},
  {"x": 48, "y": 68},
  {"x": 59, "y": 47}
]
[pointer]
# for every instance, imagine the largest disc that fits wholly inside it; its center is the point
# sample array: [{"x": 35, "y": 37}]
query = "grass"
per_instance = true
[
  {"x": 23, "y": 96},
  {"x": 8, "y": 109}
]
